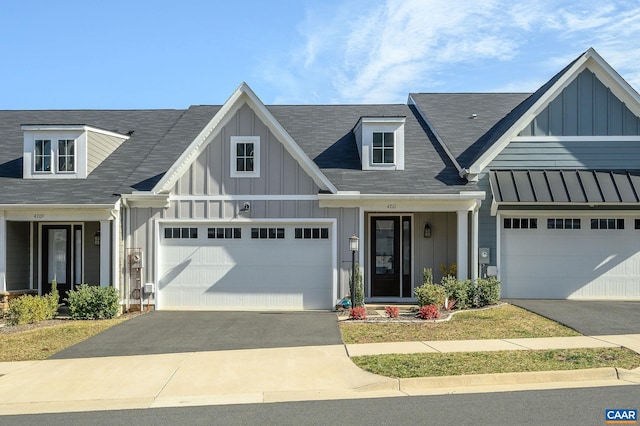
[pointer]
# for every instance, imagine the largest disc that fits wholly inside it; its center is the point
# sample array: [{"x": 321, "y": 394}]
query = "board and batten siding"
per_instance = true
[
  {"x": 280, "y": 173},
  {"x": 100, "y": 146},
  {"x": 586, "y": 107}
]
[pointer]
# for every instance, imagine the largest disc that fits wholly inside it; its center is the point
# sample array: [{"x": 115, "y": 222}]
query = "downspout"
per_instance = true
[{"x": 127, "y": 243}]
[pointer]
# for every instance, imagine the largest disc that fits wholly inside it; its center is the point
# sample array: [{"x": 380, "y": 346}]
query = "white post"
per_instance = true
[
  {"x": 105, "y": 253},
  {"x": 363, "y": 241},
  {"x": 474, "y": 243},
  {"x": 115, "y": 213},
  {"x": 3, "y": 252},
  {"x": 462, "y": 259}
]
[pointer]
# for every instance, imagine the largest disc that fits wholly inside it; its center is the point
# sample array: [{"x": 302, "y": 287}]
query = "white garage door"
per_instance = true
[
  {"x": 246, "y": 266},
  {"x": 563, "y": 258}
]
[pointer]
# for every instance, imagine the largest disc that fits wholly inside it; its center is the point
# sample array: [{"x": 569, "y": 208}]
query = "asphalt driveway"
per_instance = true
[
  {"x": 174, "y": 332},
  {"x": 591, "y": 318}
]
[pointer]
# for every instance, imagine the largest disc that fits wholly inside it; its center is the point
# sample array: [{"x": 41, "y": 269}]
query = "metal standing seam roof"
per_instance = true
[{"x": 565, "y": 186}]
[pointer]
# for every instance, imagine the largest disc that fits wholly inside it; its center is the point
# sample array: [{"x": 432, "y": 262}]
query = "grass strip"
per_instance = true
[
  {"x": 459, "y": 363},
  {"x": 41, "y": 343},
  {"x": 504, "y": 322}
]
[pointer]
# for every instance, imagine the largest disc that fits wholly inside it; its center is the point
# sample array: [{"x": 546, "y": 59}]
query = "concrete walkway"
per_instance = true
[{"x": 272, "y": 375}]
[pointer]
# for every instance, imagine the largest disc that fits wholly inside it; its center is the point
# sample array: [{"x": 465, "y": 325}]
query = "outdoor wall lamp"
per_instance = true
[
  {"x": 427, "y": 230},
  {"x": 96, "y": 238}
]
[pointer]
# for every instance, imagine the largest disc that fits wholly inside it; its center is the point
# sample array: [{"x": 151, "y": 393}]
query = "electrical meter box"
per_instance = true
[
  {"x": 484, "y": 254},
  {"x": 149, "y": 288}
]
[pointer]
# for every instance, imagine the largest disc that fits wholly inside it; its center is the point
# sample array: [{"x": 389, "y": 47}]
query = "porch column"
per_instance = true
[
  {"x": 105, "y": 253},
  {"x": 462, "y": 256},
  {"x": 3, "y": 252},
  {"x": 474, "y": 244},
  {"x": 116, "y": 249}
]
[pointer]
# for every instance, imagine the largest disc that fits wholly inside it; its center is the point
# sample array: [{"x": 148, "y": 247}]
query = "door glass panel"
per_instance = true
[
  {"x": 406, "y": 247},
  {"x": 78, "y": 257},
  {"x": 385, "y": 263},
  {"x": 57, "y": 255}
]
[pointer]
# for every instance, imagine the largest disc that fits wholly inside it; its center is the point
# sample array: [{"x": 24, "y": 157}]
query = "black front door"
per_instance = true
[
  {"x": 385, "y": 262},
  {"x": 56, "y": 258}
]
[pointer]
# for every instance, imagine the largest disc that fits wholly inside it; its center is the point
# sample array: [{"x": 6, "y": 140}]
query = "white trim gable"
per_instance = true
[
  {"x": 242, "y": 95},
  {"x": 591, "y": 60}
]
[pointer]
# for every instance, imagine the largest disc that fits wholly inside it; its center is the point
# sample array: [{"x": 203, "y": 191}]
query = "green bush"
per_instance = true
[
  {"x": 430, "y": 294},
  {"x": 359, "y": 288},
  {"x": 427, "y": 276},
  {"x": 460, "y": 291},
  {"x": 486, "y": 291},
  {"x": 28, "y": 309},
  {"x": 93, "y": 302}
]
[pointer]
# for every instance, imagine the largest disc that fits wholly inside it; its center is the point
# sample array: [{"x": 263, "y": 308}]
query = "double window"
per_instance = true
[
  {"x": 44, "y": 152},
  {"x": 383, "y": 148}
]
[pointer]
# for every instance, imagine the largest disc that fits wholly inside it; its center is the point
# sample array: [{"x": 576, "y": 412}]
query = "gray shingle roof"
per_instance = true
[{"x": 324, "y": 133}]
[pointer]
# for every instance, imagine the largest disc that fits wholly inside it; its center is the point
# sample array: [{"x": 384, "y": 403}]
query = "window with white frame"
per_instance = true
[
  {"x": 383, "y": 148},
  {"x": 42, "y": 155},
  {"x": 245, "y": 156},
  {"x": 66, "y": 155}
]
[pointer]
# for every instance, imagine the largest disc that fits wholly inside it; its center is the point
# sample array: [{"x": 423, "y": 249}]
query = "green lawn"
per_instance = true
[{"x": 503, "y": 322}]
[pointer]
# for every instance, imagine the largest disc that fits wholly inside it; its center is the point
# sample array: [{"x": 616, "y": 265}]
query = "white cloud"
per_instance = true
[{"x": 379, "y": 51}]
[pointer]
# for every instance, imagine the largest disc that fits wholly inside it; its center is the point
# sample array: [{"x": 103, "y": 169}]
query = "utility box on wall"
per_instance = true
[{"x": 484, "y": 255}]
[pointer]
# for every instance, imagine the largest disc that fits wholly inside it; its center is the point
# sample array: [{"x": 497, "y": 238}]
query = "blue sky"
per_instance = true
[{"x": 68, "y": 54}]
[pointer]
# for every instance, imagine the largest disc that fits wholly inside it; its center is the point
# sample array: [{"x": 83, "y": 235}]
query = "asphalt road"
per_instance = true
[
  {"x": 550, "y": 407},
  {"x": 162, "y": 332}
]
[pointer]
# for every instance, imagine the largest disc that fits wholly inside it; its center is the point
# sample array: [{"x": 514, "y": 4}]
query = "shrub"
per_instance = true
[
  {"x": 359, "y": 288},
  {"x": 430, "y": 294},
  {"x": 93, "y": 302},
  {"x": 53, "y": 299},
  {"x": 392, "y": 311},
  {"x": 448, "y": 270},
  {"x": 461, "y": 291},
  {"x": 429, "y": 312},
  {"x": 28, "y": 309},
  {"x": 358, "y": 313},
  {"x": 427, "y": 276},
  {"x": 486, "y": 291}
]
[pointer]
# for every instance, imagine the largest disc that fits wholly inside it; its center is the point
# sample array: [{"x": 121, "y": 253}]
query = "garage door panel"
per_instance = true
[
  {"x": 247, "y": 273},
  {"x": 565, "y": 263}
]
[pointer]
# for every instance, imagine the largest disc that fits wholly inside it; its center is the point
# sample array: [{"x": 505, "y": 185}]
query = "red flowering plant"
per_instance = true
[
  {"x": 429, "y": 312},
  {"x": 392, "y": 311},
  {"x": 358, "y": 313}
]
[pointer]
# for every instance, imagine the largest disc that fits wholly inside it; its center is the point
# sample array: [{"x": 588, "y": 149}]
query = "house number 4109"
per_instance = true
[{"x": 38, "y": 216}]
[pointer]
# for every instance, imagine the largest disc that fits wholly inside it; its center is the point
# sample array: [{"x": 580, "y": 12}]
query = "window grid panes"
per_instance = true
[
  {"x": 520, "y": 223},
  {"x": 66, "y": 155},
  {"x": 267, "y": 233},
  {"x": 607, "y": 223},
  {"x": 224, "y": 233},
  {"x": 42, "y": 155},
  {"x": 383, "y": 145},
  {"x": 563, "y": 223},
  {"x": 244, "y": 157},
  {"x": 311, "y": 233},
  {"x": 181, "y": 233}
]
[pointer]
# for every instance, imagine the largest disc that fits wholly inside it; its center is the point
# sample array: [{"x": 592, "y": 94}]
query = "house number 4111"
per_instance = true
[{"x": 391, "y": 206}]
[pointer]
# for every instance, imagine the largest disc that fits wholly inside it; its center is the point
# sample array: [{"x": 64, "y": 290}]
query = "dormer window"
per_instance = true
[
  {"x": 66, "y": 151},
  {"x": 66, "y": 155},
  {"x": 383, "y": 143},
  {"x": 245, "y": 156},
  {"x": 42, "y": 155},
  {"x": 380, "y": 142}
]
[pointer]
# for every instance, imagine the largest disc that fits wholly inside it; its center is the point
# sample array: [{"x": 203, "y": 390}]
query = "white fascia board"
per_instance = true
[
  {"x": 590, "y": 60},
  {"x": 247, "y": 197},
  {"x": 57, "y": 206},
  {"x": 461, "y": 171},
  {"x": 481, "y": 163},
  {"x": 392, "y": 120},
  {"x": 70, "y": 127},
  {"x": 466, "y": 201},
  {"x": 570, "y": 213},
  {"x": 463, "y": 195},
  {"x": 288, "y": 142},
  {"x": 243, "y": 94},
  {"x": 580, "y": 139},
  {"x": 635, "y": 206}
]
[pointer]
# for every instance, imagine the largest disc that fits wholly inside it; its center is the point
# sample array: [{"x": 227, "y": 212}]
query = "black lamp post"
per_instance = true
[{"x": 353, "y": 246}]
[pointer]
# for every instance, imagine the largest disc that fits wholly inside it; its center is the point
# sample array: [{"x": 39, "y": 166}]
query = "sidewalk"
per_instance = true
[{"x": 272, "y": 375}]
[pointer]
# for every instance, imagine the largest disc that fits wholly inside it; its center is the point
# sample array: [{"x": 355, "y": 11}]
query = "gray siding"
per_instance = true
[
  {"x": 568, "y": 155},
  {"x": 17, "y": 256},
  {"x": 486, "y": 222},
  {"x": 100, "y": 146},
  {"x": 91, "y": 254},
  {"x": 586, "y": 107},
  {"x": 279, "y": 171},
  {"x": 439, "y": 250}
]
